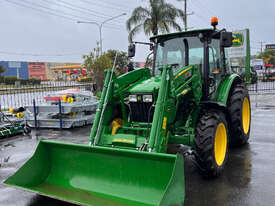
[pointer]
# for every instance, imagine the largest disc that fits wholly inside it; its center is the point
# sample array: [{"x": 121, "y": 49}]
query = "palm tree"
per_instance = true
[
  {"x": 159, "y": 17},
  {"x": 2, "y": 69},
  {"x": 268, "y": 56}
]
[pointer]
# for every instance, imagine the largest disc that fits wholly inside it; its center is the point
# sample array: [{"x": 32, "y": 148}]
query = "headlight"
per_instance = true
[
  {"x": 133, "y": 98},
  {"x": 147, "y": 98}
]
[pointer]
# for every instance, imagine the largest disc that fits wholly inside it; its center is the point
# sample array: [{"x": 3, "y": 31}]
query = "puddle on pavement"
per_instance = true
[
  {"x": 268, "y": 107},
  {"x": 264, "y": 107}
]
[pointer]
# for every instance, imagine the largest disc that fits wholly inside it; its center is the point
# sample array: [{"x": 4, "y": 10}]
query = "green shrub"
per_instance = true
[
  {"x": 34, "y": 81},
  {"x": 13, "y": 79},
  {"x": 2, "y": 79},
  {"x": 10, "y": 80}
]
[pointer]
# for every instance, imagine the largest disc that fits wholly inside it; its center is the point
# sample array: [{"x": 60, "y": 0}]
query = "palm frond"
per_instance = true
[
  {"x": 147, "y": 26},
  {"x": 181, "y": 14},
  {"x": 163, "y": 27},
  {"x": 134, "y": 31},
  {"x": 139, "y": 15},
  {"x": 174, "y": 25},
  {"x": 159, "y": 17}
]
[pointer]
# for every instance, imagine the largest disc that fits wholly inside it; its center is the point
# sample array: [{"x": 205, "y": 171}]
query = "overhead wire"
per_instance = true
[
  {"x": 107, "y": 5},
  {"x": 61, "y": 14},
  {"x": 197, "y": 14},
  {"x": 202, "y": 7},
  {"x": 72, "y": 8},
  {"x": 92, "y": 11},
  {"x": 199, "y": 3},
  {"x": 232, "y": 25},
  {"x": 55, "y": 10},
  {"x": 40, "y": 10},
  {"x": 79, "y": 10},
  {"x": 125, "y": 5},
  {"x": 196, "y": 21}
]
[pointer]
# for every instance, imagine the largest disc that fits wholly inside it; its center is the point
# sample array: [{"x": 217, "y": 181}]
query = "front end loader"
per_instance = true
[{"x": 190, "y": 98}]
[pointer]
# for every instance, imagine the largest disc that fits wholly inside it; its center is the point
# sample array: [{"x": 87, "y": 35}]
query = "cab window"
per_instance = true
[{"x": 214, "y": 56}]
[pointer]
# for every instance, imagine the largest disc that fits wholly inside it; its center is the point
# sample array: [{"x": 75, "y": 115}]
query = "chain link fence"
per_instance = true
[
  {"x": 13, "y": 96},
  {"x": 262, "y": 87},
  {"x": 16, "y": 95}
]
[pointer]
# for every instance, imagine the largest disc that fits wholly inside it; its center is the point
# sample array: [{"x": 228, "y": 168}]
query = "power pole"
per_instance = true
[
  {"x": 185, "y": 15},
  {"x": 262, "y": 44}
]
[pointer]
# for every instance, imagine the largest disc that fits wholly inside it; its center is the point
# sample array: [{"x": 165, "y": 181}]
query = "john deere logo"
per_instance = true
[{"x": 238, "y": 39}]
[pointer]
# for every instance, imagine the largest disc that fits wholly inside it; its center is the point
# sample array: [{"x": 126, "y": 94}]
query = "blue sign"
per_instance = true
[
  {"x": 23, "y": 71},
  {"x": 258, "y": 67}
]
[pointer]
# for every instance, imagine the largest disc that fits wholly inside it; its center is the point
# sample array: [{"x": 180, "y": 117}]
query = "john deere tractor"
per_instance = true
[{"x": 189, "y": 97}]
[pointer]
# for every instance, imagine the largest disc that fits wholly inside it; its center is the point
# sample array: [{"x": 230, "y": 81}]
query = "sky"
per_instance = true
[{"x": 47, "y": 30}]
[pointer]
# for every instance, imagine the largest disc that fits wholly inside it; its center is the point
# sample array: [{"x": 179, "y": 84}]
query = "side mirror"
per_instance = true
[
  {"x": 131, "y": 50},
  {"x": 226, "y": 39}
]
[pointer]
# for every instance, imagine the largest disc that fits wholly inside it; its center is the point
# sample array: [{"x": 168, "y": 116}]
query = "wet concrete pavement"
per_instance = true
[
  {"x": 15, "y": 151},
  {"x": 249, "y": 177}
]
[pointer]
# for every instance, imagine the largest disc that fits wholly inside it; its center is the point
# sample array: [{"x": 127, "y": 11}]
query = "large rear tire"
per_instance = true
[
  {"x": 211, "y": 143},
  {"x": 239, "y": 115}
]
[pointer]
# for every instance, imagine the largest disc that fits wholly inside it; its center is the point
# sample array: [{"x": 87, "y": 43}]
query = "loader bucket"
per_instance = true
[{"x": 101, "y": 176}]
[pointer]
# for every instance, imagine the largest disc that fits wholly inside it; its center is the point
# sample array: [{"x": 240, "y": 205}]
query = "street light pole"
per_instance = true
[{"x": 100, "y": 25}]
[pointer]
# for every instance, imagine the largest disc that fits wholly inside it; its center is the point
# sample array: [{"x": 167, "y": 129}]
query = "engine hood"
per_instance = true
[{"x": 146, "y": 86}]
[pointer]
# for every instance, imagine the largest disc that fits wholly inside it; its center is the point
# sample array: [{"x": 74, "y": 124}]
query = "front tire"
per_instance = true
[
  {"x": 239, "y": 115},
  {"x": 211, "y": 143}
]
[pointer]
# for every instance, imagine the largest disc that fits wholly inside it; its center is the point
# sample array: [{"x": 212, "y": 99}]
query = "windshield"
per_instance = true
[{"x": 172, "y": 52}]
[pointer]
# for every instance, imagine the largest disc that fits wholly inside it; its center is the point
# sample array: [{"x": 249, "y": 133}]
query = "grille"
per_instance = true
[{"x": 140, "y": 111}]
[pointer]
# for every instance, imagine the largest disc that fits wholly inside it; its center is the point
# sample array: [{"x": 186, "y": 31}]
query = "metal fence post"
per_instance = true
[
  {"x": 60, "y": 114},
  {"x": 35, "y": 114}
]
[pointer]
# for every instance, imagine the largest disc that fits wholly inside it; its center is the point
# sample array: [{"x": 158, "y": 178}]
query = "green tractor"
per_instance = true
[{"x": 190, "y": 98}]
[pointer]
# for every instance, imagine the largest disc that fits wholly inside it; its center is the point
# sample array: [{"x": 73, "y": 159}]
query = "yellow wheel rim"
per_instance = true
[
  {"x": 20, "y": 115},
  {"x": 220, "y": 144},
  {"x": 246, "y": 115}
]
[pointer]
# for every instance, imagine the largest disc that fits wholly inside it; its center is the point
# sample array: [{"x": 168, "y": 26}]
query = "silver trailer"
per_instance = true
[{"x": 64, "y": 109}]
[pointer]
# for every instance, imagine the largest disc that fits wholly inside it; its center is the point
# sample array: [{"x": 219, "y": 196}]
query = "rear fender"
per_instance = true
[{"x": 226, "y": 87}]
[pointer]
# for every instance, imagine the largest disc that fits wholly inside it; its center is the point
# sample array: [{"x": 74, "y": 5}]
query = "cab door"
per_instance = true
[{"x": 216, "y": 69}]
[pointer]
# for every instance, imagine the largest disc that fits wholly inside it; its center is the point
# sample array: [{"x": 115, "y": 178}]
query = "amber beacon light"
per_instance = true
[{"x": 214, "y": 21}]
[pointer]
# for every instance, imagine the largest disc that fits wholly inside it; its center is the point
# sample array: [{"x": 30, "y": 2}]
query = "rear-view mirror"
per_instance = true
[
  {"x": 226, "y": 39},
  {"x": 131, "y": 50}
]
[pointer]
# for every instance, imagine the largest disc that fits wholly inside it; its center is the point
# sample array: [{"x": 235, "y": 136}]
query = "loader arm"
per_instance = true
[
  {"x": 159, "y": 124},
  {"x": 172, "y": 92},
  {"x": 118, "y": 91}
]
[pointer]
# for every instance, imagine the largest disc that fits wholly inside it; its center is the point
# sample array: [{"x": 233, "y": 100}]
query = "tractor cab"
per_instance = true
[{"x": 204, "y": 48}]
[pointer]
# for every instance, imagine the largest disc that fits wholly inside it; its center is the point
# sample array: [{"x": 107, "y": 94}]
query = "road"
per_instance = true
[{"x": 248, "y": 179}]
